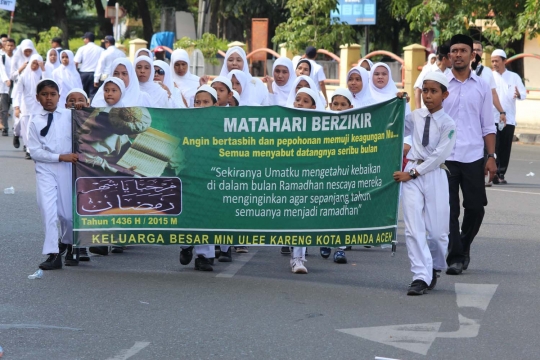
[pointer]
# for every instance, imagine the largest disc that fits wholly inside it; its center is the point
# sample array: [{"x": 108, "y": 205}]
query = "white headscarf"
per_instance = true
[
  {"x": 386, "y": 93},
  {"x": 313, "y": 94},
  {"x": 19, "y": 58},
  {"x": 189, "y": 83},
  {"x": 245, "y": 96},
  {"x": 281, "y": 93},
  {"x": 368, "y": 61},
  {"x": 345, "y": 93},
  {"x": 312, "y": 86},
  {"x": 259, "y": 95},
  {"x": 176, "y": 97},
  {"x": 141, "y": 50},
  {"x": 159, "y": 97},
  {"x": 133, "y": 95},
  {"x": 98, "y": 101},
  {"x": 77, "y": 90},
  {"x": 312, "y": 73},
  {"x": 30, "y": 79},
  {"x": 208, "y": 89},
  {"x": 362, "y": 98},
  {"x": 49, "y": 66},
  {"x": 67, "y": 77}
]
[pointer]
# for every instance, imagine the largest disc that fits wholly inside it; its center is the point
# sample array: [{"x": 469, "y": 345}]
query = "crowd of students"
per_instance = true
[{"x": 296, "y": 83}]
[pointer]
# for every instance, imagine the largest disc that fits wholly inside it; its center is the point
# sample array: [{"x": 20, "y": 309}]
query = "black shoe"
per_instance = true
[
  {"x": 285, "y": 250},
  {"x": 186, "y": 255},
  {"x": 454, "y": 269},
  {"x": 62, "y": 247},
  {"x": 203, "y": 264},
  {"x": 495, "y": 180},
  {"x": 83, "y": 254},
  {"x": 53, "y": 262},
  {"x": 4, "y": 132},
  {"x": 27, "y": 156},
  {"x": 99, "y": 250},
  {"x": 117, "y": 249},
  {"x": 466, "y": 262},
  {"x": 434, "y": 279},
  {"x": 418, "y": 287},
  {"x": 72, "y": 256},
  {"x": 16, "y": 142},
  {"x": 226, "y": 256},
  {"x": 348, "y": 247},
  {"x": 325, "y": 252},
  {"x": 241, "y": 249},
  {"x": 502, "y": 181},
  {"x": 339, "y": 257}
]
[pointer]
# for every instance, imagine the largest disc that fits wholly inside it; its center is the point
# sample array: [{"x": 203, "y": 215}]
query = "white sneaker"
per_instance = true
[{"x": 297, "y": 266}]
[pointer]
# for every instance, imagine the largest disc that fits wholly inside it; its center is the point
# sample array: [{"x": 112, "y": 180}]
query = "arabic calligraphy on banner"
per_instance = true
[{"x": 237, "y": 176}]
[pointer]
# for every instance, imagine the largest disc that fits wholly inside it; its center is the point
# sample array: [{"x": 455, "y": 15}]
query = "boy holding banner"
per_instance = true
[{"x": 425, "y": 197}]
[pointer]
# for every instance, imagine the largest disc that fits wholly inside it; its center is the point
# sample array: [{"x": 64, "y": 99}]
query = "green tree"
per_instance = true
[{"x": 309, "y": 23}]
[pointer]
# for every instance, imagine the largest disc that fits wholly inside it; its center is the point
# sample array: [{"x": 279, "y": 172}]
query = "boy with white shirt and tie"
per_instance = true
[
  {"x": 50, "y": 145},
  {"x": 425, "y": 196}
]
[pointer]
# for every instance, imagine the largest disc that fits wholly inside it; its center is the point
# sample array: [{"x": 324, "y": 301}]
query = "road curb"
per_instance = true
[{"x": 529, "y": 138}]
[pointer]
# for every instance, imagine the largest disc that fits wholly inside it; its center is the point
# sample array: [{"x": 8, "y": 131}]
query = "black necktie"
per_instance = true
[
  {"x": 425, "y": 137},
  {"x": 45, "y": 130}
]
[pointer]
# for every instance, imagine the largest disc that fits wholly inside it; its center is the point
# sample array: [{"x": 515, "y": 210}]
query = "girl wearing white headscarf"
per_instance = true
[
  {"x": 368, "y": 62},
  {"x": 19, "y": 58},
  {"x": 66, "y": 76},
  {"x": 311, "y": 85},
  {"x": 362, "y": 97},
  {"x": 258, "y": 89},
  {"x": 187, "y": 83},
  {"x": 24, "y": 97},
  {"x": 175, "y": 100},
  {"x": 133, "y": 95},
  {"x": 159, "y": 96},
  {"x": 244, "y": 89},
  {"x": 280, "y": 93},
  {"x": 101, "y": 103},
  {"x": 138, "y": 53},
  {"x": 49, "y": 65}
]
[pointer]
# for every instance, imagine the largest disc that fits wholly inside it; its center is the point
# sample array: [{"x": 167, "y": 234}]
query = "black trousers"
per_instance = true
[
  {"x": 470, "y": 178},
  {"x": 87, "y": 79},
  {"x": 503, "y": 148}
]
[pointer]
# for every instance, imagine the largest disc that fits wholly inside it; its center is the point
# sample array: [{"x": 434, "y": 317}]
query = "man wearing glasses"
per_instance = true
[{"x": 103, "y": 69}]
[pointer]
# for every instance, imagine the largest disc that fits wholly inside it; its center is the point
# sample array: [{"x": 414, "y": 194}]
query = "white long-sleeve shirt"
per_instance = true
[
  {"x": 105, "y": 61},
  {"x": 5, "y": 72},
  {"x": 88, "y": 56},
  {"x": 506, "y": 89},
  {"x": 442, "y": 137},
  {"x": 47, "y": 149}
]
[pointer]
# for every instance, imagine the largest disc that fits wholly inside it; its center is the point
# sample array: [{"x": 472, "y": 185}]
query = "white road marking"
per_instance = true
[
  {"x": 236, "y": 265},
  {"x": 418, "y": 338},
  {"x": 517, "y": 192},
  {"x": 127, "y": 353},
  {"x": 35, "y": 326}
]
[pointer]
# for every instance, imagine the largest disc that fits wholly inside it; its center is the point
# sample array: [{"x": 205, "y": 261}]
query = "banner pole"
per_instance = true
[{"x": 11, "y": 23}]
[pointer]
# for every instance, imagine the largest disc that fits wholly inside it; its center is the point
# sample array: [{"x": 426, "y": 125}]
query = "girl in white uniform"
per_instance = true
[
  {"x": 187, "y": 82},
  {"x": 358, "y": 85},
  {"x": 66, "y": 75},
  {"x": 49, "y": 142},
  {"x": 163, "y": 76},
  {"x": 144, "y": 68},
  {"x": 235, "y": 58},
  {"x": 52, "y": 63},
  {"x": 279, "y": 87}
]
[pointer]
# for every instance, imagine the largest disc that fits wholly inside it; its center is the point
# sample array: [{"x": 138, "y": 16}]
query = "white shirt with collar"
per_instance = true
[
  {"x": 88, "y": 56},
  {"x": 105, "y": 61},
  {"x": 506, "y": 89},
  {"x": 442, "y": 138},
  {"x": 47, "y": 149},
  {"x": 5, "y": 71}
]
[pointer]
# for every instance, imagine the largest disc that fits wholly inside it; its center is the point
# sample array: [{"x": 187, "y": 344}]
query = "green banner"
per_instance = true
[{"x": 237, "y": 176}]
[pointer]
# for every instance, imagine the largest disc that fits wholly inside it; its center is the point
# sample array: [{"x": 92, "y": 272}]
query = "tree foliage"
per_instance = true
[
  {"x": 309, "y": 23},
  {"x": 209, "y": 44}
]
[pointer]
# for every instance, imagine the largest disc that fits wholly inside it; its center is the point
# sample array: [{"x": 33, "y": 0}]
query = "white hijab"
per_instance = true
[
  {"x": 99, "y": 100},
  {"x": 19, "y": 58},
  {"x": 77, "y": 90},
  {"x": 312, "y": 73},
  {"x": 368, "y": 61},
  {"x": 260, "y": 91},
  {"x": 30, "y": 79},
  {"x": 245, "y": 96},
  {"x": 176, "y": 97},
  {"x": 362, "y": 98},
  {"x": 281, "y": 93},
  {"x": 314, "y": 95},
  {"x": 49, "y": 66},
  {"x": 312, "y": 86},
  {"x": 159, "y": 97},
  {"x": 141, "y": 50},
  {"x": 133, "y": 95},
  {"x": 67, "y": 77},
  {"x": 189, "y": 83},
  {"x": 386, "y": 93}
]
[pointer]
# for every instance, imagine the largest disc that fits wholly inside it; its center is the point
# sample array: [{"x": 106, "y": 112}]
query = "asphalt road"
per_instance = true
[{"x": 143, "y": 304}]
